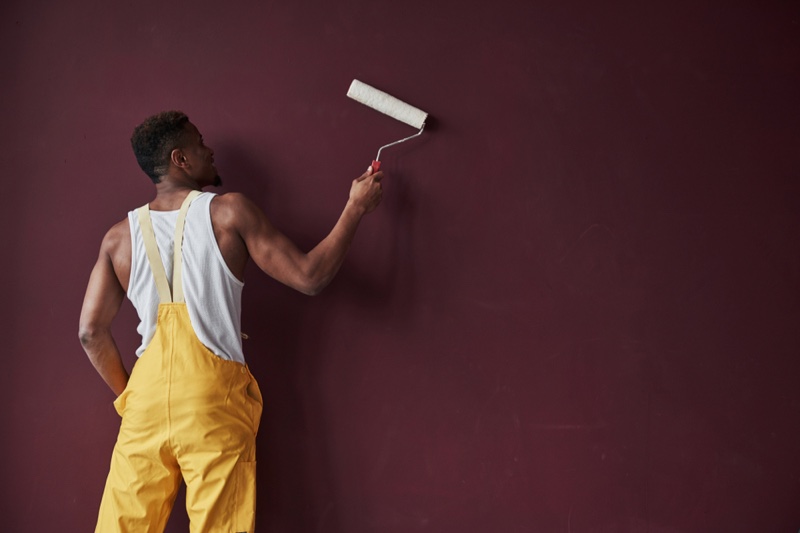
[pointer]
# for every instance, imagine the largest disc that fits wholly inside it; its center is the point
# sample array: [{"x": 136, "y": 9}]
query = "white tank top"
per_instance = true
[{"x": 213, "y": 294}]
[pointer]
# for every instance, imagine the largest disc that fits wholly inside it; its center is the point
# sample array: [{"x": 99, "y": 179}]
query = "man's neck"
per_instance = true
[{"x": 170, "y": 195}]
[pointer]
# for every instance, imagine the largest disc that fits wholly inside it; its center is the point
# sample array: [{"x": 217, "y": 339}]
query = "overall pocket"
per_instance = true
[
  {"x": 255, "y": 400},
  {"x": 119, "y": 403}
]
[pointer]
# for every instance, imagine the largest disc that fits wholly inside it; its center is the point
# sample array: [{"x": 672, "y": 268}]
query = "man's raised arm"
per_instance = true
[{"x": 278, "y": 257}]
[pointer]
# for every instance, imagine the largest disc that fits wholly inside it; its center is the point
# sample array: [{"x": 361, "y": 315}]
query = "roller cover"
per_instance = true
[{"x": 386, "y": 104}]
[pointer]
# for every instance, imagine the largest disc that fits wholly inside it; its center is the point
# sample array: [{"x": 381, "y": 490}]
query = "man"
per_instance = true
[{"x": 190, "y": 408}]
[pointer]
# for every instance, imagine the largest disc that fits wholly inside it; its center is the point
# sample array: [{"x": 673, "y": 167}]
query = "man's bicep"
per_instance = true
[{"x": 273, "y": 252}]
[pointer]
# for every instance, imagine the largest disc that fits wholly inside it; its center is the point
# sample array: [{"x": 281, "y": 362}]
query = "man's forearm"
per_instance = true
[
  {"x": 105, "y": 357},
  {"x": 327, "y": 257}
]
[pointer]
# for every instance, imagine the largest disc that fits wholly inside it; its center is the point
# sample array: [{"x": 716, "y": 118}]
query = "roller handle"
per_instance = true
[{"x": 376, "y": 165}]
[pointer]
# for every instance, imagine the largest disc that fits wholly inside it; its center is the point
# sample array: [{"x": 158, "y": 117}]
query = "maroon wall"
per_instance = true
[{"x": 576, "y": 310}]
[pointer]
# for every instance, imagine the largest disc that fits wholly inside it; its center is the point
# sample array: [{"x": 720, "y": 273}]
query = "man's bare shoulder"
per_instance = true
[
  {"x": 233, "y": 208},
  {"x": 231, "y": 200},
  {"x": 117, "y": 239},
  {"x": 118, "y": 232}
]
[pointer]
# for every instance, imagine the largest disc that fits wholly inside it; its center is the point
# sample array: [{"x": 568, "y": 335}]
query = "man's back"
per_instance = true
[{"x": 212, "y": 292}]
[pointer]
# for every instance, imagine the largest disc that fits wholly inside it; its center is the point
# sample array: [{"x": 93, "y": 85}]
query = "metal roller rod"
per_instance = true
[{"x": 378, "y": 157}]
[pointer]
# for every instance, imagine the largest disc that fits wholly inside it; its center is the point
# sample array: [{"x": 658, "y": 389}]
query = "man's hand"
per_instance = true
[{"x": 366, "y": 191}]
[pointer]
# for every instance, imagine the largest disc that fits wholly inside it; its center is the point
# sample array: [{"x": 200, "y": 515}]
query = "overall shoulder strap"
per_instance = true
[
  {"x": 165, "y": 295},
  {"x": 177, "y": 263}
]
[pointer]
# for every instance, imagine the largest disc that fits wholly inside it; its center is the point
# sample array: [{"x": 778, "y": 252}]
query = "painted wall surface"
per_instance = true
[{"x": 576, "y": 309}]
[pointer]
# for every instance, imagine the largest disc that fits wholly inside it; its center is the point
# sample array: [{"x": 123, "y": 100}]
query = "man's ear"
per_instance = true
[{"x": 177, "y": 158}]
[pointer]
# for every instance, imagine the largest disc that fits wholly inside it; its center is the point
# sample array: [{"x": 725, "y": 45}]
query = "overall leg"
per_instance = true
[
  {"x": 218, "y": 459},
  {"x": 220, "y": 492},
  {"x": 144, "y": 476},
  {"x": 139, "y": 492}
]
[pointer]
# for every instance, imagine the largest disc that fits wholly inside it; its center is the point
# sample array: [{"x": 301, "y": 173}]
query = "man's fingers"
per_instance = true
[{"x": 365, "y": 175}]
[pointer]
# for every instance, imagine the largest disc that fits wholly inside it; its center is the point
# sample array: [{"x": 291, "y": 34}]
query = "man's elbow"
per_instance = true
[
  {"x": 312, "y": 283},
  {"x": 312, "y": 289},
  {"x": 88, "y": 334},
  {"x": 85, "y": 336}
]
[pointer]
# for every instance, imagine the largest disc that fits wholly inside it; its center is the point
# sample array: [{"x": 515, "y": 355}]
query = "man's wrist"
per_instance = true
[{"x": 355, "y": 209}]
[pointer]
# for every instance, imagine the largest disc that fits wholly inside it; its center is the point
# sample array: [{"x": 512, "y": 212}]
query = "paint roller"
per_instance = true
[{"x": 388, "y": 105}]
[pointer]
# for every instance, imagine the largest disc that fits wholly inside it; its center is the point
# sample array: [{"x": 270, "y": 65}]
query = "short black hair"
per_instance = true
[{"x": 154, "y": 139}]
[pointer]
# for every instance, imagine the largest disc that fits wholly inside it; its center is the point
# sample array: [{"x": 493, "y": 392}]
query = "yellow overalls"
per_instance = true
[{"x": 185, "y": 413}]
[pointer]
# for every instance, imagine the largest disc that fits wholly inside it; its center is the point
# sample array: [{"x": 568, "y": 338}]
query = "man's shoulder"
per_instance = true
[
  {"x": 231, "y": 206},
  {"x": 118, "y": 235},
  {"x": 229, "y": 199}
]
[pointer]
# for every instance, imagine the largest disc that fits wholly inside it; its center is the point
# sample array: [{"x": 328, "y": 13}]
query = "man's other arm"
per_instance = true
[{"x": 104, "y": 296}]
